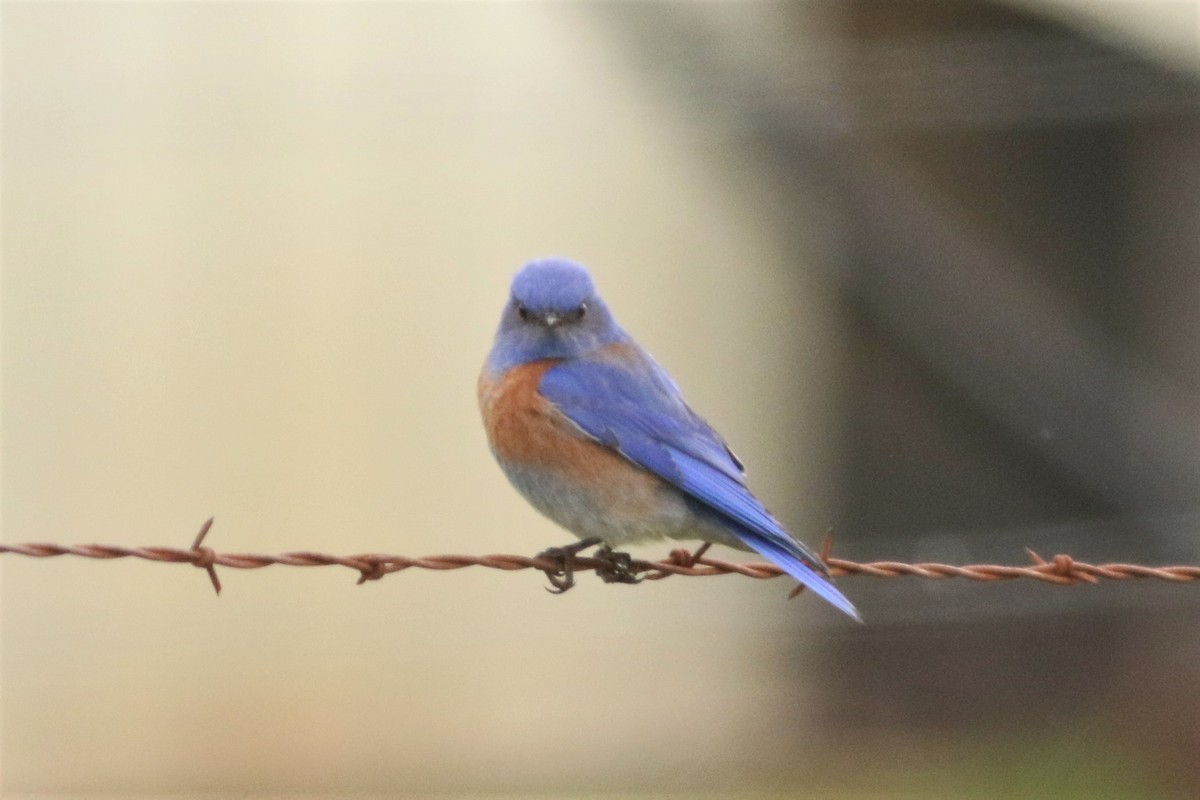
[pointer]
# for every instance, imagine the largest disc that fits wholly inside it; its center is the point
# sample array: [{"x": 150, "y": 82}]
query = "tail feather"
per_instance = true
[{"x": 794, "y": 564}]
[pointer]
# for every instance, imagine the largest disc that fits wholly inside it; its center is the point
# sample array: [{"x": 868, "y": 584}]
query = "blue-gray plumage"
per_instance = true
[{"x": 597, "y": 437}]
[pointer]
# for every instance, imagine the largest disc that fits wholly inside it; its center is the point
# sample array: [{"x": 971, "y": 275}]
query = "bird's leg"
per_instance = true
[
  {"x": 618, "y": 567},
  {"x": 563, "y": 577}
]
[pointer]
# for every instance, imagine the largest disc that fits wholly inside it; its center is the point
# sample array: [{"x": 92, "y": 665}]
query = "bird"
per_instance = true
[{"x": 597, "y": 436}]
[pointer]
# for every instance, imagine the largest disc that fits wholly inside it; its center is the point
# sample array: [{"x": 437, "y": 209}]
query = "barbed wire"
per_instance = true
[{"x": 1061, "y": 570}]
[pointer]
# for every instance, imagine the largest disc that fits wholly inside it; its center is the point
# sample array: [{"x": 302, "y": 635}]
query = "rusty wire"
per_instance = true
[{"x": 1060, "y": 570}]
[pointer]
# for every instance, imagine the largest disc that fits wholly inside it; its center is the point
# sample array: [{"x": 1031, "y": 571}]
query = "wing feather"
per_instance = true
[{"x": 635, "y": 409}]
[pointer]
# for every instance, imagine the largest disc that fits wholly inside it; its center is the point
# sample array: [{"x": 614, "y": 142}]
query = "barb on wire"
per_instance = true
[{"x": 1060, "y": 570}]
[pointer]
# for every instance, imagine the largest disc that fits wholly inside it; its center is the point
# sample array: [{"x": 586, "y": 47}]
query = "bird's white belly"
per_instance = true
[
  {"x": 618, "y": 519},
  {"x": 616, "y": 513}
]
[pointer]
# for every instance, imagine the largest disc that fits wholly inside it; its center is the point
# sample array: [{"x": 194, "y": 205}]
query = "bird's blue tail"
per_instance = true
[{"x": 794, "y": 563}]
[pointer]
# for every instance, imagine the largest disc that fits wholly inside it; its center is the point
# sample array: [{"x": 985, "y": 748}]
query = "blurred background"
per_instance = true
[{"x": 933, "y": 268}]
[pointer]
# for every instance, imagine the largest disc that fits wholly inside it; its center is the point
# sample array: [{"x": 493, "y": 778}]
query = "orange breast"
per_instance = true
[
  {"x": 518, "y": 420},
  {"x": 528, "y": 434}
]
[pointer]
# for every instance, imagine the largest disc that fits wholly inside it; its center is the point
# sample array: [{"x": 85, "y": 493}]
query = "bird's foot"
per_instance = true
[
  {"x": 614, "y": 567},
  {"x": 617, "y": 567},
  {"x": 562, "y": 577}
]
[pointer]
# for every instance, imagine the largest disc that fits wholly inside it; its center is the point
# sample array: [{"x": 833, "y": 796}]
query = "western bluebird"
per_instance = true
[{"x": 598, "y": 438}]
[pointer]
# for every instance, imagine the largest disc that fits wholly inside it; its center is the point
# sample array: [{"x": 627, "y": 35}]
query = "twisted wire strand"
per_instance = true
[{"x": 1060, "y": 570}]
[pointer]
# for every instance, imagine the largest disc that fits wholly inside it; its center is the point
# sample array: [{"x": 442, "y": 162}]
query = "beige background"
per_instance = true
[{"x": 253, "y": 258}]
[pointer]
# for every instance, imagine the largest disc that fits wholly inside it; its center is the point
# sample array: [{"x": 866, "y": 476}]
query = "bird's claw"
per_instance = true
[
  {"x": 560, "y": 581},
  {"x": 562, "y": 577},
  {"x": 615, "y": 567}
]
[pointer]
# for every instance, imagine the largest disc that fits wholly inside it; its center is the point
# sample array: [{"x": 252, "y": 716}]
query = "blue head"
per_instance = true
[{"x": 552, "y": 312}]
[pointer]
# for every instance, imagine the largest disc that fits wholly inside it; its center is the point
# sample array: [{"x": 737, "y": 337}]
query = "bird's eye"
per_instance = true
[
  {"x": 581, "y": 311},
  {"x": 523, "y": 312}
]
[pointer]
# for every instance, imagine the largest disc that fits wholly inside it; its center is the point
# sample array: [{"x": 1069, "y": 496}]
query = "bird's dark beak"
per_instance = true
[{"x": 551, "y": 319}]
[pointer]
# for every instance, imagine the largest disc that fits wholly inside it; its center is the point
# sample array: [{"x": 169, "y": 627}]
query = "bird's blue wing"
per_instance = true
[{"x": 634, "y": 408}]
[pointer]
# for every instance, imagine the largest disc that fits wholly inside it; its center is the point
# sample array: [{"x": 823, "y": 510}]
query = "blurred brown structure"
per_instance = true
[{"x": 1012, "y": 218}]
